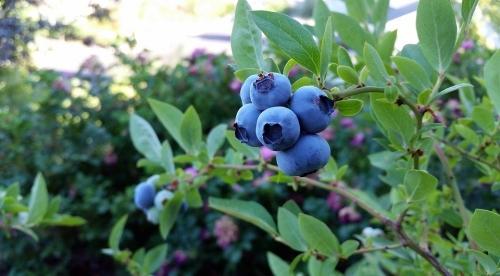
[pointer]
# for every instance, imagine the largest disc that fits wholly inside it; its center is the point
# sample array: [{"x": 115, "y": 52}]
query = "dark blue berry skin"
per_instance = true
[
  {"x": 278, "y": 128},
  {"x": 244, "y": 124},
  {"x": 270, "y": 90},
  {"x": 313, "y": 108},
  {"x": 245, "y": 89},
  {"x": 309, "y": 154},
  {"x": 144, "y": 195}
]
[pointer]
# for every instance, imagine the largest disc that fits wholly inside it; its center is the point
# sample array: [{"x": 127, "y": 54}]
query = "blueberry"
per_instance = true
[
  {"x": 144, "y": 195},
  {"x": 278, "y": 128},
  {"x": 245, "y": 89},
  {"x": 309, "y": 154},
  {"x": 244, "y": 125},
  {"x": 312, "y": 107},
  {"x": 270, "y": 90}
]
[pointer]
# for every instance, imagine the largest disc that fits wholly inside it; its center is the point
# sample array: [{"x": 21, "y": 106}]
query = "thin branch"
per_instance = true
[
  {"x": 468, "y": 155},
  {"x": 373, "y": 249},
  {"x": 357, "y": 91}
]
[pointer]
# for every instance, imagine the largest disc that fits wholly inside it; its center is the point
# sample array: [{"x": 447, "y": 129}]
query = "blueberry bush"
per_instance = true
[{"x": 419, "y": 222}]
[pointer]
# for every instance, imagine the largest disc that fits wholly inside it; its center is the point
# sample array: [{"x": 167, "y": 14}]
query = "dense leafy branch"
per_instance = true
[{"x": 395, "y": 225}]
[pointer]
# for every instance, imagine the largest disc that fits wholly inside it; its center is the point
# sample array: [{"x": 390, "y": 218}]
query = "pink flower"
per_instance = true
[
  {"x": 267, "y": 154},
  {"x": 263, "y": 179},
  {"x": 327, "y": 134},
  {"x": 348, "y": 215},
  {"x": 180, "y": 257},
  {"x": 358, "y": 139},
  {"x": 226, "y": 231},
  {"x": 191, "y": 171},
  {"x": 467, "y": 44},
  {"x": 110, "y": 158},
  {"x": 347, "y": 123},
  {"x": 334, "y": 201},
  {"x": 198, "y": 52},
  {"x": 456, "y": 57},
  {"x": 192, "y": 70},
  {"x": 235, "y": 85},
  {"x": 293, "y": 72}
]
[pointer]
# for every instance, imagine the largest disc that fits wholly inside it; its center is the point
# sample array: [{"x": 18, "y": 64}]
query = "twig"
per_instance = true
[
  {"x": 468, "y": 155},
  {"x": 373, "y": 249},
  {"x": 357, "y": 91}
]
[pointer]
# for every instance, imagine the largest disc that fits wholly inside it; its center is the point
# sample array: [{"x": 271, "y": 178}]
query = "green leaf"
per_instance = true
[
  {"x": 484, "y": 118},
  {"x": 193, "y": 198},
  {"x": 248, "y": 211},
  {"x": 391, "y": 93},
  {"x": 343, "y": 57},
  {"x": 451, "y": 89},
  {"x": 144, "y": 138},
  {"x": 321, "y": 13},
  {"x": 171, "y": 117},
  {"x": 290, "y": 36},
  {"x": 423, "y": 97},
  {"x": 348, "y": 247},
  {"x": 288, "y": 66},
  {"x": 347, "y": 74},
  {"x": 318, "y": 236},
  {"x": 288, "y": 227},
  {"x": 349, "y": 107},
  {"x": 116, "y": 234},
  {"x": 216, "y": 139},
  {"x": 357, "y": 10},
  {"x": 492, "y": 79},
  {"x": 191, "y": 131},
  {"x": 277, "y": 265},
  {"x": 12, "y": 190},
  {"x": 321, "y": 267},
  {"x": 437, "y": 32},
  {"x": 243, "y": 74},
  {"x": 385, "y": 45},
  {"x": 486, "y": 261},
  {"x": 252, "y": 153},
  {"x": 468, "y": 7},
  {"x": 326, "y": 49},
  {"x": 393, "y": 117},
  {"x": 385, "y": 159},
  {"x": 154, "y": 258},
  {"x": 468, "y": 134},
  {"x": 302, "y": 82},
  {"x": 168, "y": 215},
  {"x": 414, "y": 52},
  {"x": 413, "y": 73},
  {"x": 484, "y": 228},
  {"x": 139, "y": 255},
  {"x": 64, "y": 220},
  {"x": 351, "y": 32},
  {"x": 370, "y": 201},
  {"x": 374, "y": 63},
  {"x": 39, "y": 201},
  {"x": 291, "y": 206},
  {"x": 380, "y": 15},
  {"x": 246, "y": 39},
  {"x": 419, "y": 184},
  {"x": 271, "y": 66},
  {"x": 167, "y": 158},
  {"x": 27, "y": 231}
]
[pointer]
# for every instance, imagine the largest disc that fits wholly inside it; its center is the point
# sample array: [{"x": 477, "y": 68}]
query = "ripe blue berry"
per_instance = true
[
  {"x": 312, "y": 107},
  {"x": 144, "y": 195},
  {"x": 270, "y": 90},
  {"x": 278, "y": 128},
  {"x": 309, "y": 154},
  {"x": 244, "y": 125},
  {"x": 245, "y": 89}
]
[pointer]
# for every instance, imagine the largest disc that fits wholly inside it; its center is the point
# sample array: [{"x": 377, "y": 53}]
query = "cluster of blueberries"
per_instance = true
[
  {"x": 149, "y": 200},
  {"x": 273, "y": 117}
]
